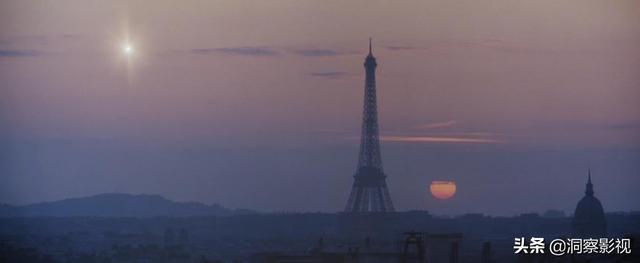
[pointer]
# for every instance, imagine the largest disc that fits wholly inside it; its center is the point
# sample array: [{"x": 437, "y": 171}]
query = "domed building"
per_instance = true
[{"x": 588, "y": 219}]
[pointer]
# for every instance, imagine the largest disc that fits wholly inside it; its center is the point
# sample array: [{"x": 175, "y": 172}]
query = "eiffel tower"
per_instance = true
[{"x": 369, "y": 192}]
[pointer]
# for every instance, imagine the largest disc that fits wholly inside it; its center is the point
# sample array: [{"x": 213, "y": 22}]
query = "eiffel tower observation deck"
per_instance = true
[{"x": 369, "y": 192}]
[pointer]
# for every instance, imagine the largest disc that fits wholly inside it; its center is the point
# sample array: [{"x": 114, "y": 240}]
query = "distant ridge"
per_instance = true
[{"x": 118, "y": 205}]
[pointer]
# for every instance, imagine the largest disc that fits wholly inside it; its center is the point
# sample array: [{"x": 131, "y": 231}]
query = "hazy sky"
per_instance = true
[{"x": 257, "y": 104}]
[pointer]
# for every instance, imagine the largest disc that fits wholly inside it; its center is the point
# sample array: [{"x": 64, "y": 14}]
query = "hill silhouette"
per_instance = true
[{"x": 118, "y": 205}]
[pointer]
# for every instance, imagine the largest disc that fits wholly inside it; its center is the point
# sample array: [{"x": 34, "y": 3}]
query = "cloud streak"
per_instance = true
[
  {"x": 17, "y": 53},
  {"x": 38, "y": 40},
  {"x": 404, "y": 48},
  {"x": 439, "y": 139},
  {"x": 490, "y": 44},
  {"x": 330, "y": 74},
  {"x": 318, "y": 52},
  {"x": 631, "y": 125},
  {"x": 437, "y": 125},
  {"x": 261, "y": 51},
  {"x": 242, "y": 51}
]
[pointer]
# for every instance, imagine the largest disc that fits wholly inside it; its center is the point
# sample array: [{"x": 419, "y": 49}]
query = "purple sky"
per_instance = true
[{"x": 257, "y": 104}]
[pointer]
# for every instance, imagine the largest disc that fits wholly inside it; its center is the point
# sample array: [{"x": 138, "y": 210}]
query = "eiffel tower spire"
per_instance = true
[{"x": 369, "y": 192}]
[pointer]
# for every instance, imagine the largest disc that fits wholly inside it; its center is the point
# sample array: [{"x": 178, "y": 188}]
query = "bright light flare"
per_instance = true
[{"x": 127, "y": 49}]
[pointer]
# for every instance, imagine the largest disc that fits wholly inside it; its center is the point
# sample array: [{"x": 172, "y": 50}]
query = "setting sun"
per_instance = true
[{"x": 443, "y": 189}]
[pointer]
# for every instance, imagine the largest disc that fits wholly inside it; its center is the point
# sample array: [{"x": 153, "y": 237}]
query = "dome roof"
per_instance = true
[
  {"x": 588, "y": 219},
  {"x": 589, "y": 207}
]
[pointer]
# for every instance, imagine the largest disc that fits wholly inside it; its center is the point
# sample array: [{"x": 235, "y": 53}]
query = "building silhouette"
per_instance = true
[
  {"x": 369, "y": 192},
  {"x": 588, "y": 219},
  {"x": 169, "y": 237}
]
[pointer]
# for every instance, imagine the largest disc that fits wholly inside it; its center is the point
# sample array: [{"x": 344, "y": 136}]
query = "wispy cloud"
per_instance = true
[
  {"x": 628, "y": 125},
  {"x": 439, "y": 139},
  {"x": 242, "y": 51},
  {"x": 37, "y": 40},
  {"x": 404, "y": 48},
  {"x": 318, "y": 52},
  {"x": 262, "y": 51},
  {"x": 330, "y": 74},
  {"x": 631, "y": 125},
  {"x": 16, "y": 53},
  {"x": 490, "y": 44},
  {"x": 437, "y": 125}
]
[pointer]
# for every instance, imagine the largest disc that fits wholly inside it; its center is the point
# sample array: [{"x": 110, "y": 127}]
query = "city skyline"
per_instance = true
[{"x": 259, "y": 117}]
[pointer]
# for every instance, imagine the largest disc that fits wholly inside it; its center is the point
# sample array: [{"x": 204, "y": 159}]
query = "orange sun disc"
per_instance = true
[{"x": 443, "y": 189}]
